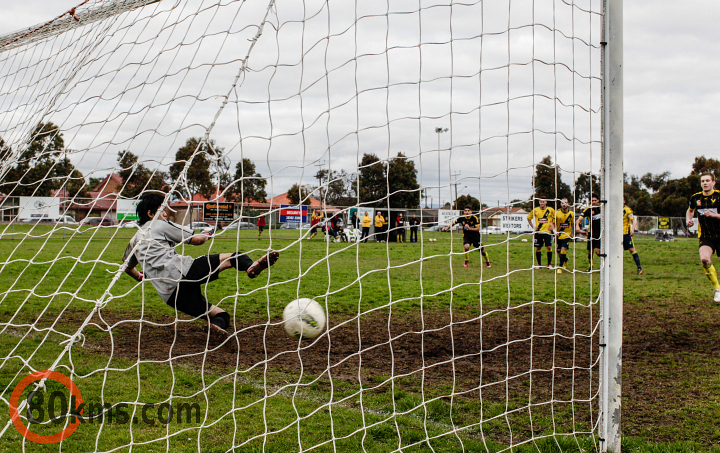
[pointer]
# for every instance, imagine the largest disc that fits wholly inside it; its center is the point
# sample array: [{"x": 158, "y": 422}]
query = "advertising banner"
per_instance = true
[
  {"x": 447, "y": 216},
  {"x": 218, "y": 212},
  {"x": 39, "y": 208},
  {"x": 513, "y": 223},
  {"x": 127, "y": 209},
  {"x": 292, "y": 213}
]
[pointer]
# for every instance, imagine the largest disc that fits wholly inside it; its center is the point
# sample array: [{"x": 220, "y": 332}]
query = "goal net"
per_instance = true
[{"x": 237, "y": 112}]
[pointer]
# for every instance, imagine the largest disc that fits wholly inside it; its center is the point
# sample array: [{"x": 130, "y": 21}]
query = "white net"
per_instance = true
[{"x": 414, "y": 108}]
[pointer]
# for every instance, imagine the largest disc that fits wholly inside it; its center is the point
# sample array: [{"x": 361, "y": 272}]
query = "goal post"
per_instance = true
[
  {"x": 444, "y": 329},
  {"x": 613, "y": 186}
]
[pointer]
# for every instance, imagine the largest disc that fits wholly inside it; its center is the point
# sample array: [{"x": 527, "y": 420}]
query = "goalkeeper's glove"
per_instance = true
[{"x": 141, "y": 276}]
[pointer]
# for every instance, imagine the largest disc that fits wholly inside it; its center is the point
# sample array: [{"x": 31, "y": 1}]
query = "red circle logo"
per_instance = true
[{"x": 15, "y": 399}]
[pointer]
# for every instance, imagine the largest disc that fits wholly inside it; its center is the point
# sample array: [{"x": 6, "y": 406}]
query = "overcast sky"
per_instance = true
[{"x": 670, "y": 81}]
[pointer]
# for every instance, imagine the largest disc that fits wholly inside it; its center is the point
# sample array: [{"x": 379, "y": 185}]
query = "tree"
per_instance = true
[
  {"x": 199, "y": 178},
  {"x": 655, "y": 182},
  {"x": 92, "y": 183},
  {"x": 297, "y": 194},
  {"x": 373, "y": 181},
  {"x": 136, "y": 177},
  {"x": 672, "y": 198},
  {"x": 705, "y": 165},
  {"x": 636, "y": 196},
  {"x": 338, "y": 188},
  {"x": 464, "y": 200},
  {"x": 42, "y": 166},
  {"x": 548, "y": 182},
  {"x": 586, "y": 185},
  {"x": 248, "y": 184},
  {"x": 402, "y": 180}
]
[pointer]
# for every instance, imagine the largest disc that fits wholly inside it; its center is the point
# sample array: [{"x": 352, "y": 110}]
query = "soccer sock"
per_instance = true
[
  {"x": 467, "y": 256},
  {"x": 240, "y": 261},
  {"x": 538, "y": 257},
  {"x": 221, "y": 320},
  {"x": 549, "y": 255},
  {"x": 563, "y": 257},
  {"x": 485, "y": 255},
  {"x": 712, "y": 276},
  {"x": 636, "y": 257}
]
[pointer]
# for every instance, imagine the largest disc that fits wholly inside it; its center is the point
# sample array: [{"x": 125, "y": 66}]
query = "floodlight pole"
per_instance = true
[
  {"x": 439, "y": 130},
  {"x": 612, "y": 271}
]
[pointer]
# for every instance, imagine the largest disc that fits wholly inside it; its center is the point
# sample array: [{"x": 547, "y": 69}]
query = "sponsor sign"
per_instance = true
[
  {"x": 127, "y": 209},
  {"x": 513, "y": 223},
  {"x": 38, "y": 208},
  {"x": 446, "y": 216},
  {"x": 218, "y": 212},
  {"x": 293, "y": 213}
]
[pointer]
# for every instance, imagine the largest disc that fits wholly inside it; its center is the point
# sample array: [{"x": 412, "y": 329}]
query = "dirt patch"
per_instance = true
[{"x": 545, "y": 352}]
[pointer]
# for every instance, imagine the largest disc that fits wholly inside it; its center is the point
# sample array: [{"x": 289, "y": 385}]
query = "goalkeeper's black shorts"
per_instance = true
[{"x": 188, "y": 295}]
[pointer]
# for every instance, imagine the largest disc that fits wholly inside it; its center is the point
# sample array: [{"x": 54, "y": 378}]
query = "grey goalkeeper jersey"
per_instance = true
[{"x": 153, "y": 247}]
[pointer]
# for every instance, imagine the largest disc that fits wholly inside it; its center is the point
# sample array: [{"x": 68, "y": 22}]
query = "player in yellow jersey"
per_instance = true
[
  {"x": 564, "y": 222},
  {"x": 707, "y": 205},
  {"x": 544, "y": 217},
  {"x": 471, "y": 235},
  {"x": 628, "y": 232}
]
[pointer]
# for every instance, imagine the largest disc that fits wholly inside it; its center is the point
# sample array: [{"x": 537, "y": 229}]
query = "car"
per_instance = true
[
  {"x": 240, "y": 226},
  {"x": 456, "y": 228},
  {"x": 200, "y": 225},
  {"x": 295, "y": 226},
  {"x": 66, "y": 220},
  {"x": 96, "y": 221},
  {"x": 492, "y": 230},
  {"x": 655, "y": 231},
  {"x": 203, "y": 227}
]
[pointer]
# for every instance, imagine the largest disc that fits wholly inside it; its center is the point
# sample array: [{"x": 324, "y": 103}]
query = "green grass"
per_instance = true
[{"x": 50, "y": 281}]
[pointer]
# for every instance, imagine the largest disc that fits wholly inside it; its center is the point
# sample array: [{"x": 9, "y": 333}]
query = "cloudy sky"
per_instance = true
[{"x": 670, "y": 93}]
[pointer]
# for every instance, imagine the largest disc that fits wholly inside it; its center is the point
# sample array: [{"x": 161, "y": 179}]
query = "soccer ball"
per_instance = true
[{"x": 304, "y": 318}]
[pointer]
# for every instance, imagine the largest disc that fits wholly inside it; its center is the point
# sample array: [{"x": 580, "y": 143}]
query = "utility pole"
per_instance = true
[
  {"x": 319, "y": 178},
  {"x": 438, "y": 131},
  {"x": 454, "y": 176}
]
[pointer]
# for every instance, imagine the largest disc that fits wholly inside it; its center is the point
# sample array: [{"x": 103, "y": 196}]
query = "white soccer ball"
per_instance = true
[{"x": 304, "y": 318}]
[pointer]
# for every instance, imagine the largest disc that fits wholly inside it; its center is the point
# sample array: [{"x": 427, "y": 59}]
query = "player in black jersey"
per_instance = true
[
  {"x": 471, "y": 235},
  {"x": 707, "y": 205},
  {"x": 594, "y": 214}
]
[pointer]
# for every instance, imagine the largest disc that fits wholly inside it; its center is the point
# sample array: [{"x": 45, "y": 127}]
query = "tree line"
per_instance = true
[
  {"x": 200, "y": 168},
  {"x": 43, "y": 167},
  {"x": 647, "y": 195}
]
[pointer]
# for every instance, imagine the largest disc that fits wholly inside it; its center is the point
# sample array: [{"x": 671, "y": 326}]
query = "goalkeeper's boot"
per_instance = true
[
  {"x": 717, "y": 295},
  {"x": 466, "y": 263},
  {"x": 262, "y": 264}
]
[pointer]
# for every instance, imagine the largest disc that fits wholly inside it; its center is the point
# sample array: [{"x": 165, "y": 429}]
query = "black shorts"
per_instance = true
[
  {"x": 628, "y": 242},
  {"x": 188, "y": 295},
  {"x": 541, "y": 239},
  {"x": 593, "y": 244},
  {"x": 473, "y": 241},
  {"x": 563, "y": 244},
  {"x": 713, "y": 243}
]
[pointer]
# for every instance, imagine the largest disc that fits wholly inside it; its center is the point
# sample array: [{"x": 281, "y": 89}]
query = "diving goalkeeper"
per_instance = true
[{"x": 178, "y": 278}]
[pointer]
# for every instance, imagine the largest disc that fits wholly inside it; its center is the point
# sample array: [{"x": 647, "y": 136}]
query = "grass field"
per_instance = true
[{"x": 441, "y": 357}]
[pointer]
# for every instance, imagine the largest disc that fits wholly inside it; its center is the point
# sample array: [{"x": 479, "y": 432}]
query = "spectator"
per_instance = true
[
  {"x": 366, "y": 222},
  {"x": 414, "y": 222}
]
